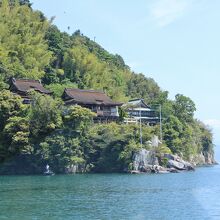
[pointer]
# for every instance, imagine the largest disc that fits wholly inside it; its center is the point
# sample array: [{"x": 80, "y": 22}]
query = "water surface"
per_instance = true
[{"x": 189, "y": 195}]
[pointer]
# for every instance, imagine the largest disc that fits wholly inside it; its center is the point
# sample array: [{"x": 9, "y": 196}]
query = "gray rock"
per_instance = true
[
  {"x": 180, "y": 165},
  {"x": 204, "y": 158},
  {"x": 147, "y": 162},
  {"x": 143, "y": 158},
  {"x": 175, "y": 164}
]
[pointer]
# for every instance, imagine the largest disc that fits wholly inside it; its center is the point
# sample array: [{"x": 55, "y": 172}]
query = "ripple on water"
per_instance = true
[{"x": 190, "y": 195}]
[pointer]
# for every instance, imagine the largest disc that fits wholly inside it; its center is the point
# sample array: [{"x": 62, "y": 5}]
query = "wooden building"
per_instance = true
[
  {"x": 23, "y": 86},
  {"x": 138, "y": 110},
  {"x": 96, "y": 101}
]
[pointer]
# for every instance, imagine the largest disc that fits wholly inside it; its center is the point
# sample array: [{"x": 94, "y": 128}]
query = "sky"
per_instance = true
[{"x": 176, "y": 42}]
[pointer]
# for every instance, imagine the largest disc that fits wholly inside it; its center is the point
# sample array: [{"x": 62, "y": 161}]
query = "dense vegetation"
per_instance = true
[{"x": 47, "y": 132}]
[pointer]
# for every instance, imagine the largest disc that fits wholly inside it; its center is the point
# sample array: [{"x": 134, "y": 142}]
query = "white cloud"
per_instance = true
[
  {"x": 165, "y": 12},
  {"x": 214, "y": 123}
]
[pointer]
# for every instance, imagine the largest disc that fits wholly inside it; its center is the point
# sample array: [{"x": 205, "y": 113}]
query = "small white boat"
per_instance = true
[{"x": 49, "y": 173}]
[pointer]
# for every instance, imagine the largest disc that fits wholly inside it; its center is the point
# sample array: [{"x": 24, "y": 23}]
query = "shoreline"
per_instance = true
[{"x": 132, "y": 172}]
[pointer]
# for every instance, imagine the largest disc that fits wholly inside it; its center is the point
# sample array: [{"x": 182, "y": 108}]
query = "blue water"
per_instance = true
[{"x": 189, "y": 195}]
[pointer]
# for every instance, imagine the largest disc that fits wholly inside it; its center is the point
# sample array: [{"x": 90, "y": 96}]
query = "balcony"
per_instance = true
[{"x": 105, "y": 113}]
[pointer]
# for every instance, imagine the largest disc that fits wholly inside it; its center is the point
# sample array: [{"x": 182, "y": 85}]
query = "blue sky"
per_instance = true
[{"x": 176, "y": 42}]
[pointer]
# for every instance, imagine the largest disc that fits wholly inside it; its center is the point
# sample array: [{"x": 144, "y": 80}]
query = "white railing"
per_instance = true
[{"x": 130, "y": 120}]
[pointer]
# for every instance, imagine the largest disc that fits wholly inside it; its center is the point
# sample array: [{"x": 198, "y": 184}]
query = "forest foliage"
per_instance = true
[{"x": 48, "y": 132}]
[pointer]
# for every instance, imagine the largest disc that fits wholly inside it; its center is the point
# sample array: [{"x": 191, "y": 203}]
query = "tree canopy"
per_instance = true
[{"x": 23, "y": 49}]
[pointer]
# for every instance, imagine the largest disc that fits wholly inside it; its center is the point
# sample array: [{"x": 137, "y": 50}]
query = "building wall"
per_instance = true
[
  {"x": 105, "y": 110},
  {"x": 142, "y": 113}
]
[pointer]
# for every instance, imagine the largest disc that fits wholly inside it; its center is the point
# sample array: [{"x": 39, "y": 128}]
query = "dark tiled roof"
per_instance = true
[
  {"x": 138, "y": 103},
  {"x": 24, "y": 85},
  {"x": 88, "y": 97}
]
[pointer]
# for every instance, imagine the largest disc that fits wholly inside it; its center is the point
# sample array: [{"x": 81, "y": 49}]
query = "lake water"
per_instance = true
[{"x": 189, "y": 195}]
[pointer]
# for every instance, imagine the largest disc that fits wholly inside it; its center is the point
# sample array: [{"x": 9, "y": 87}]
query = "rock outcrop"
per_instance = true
[
  {"x": 204, "y": 158},
  {"x": 146, "y": 161},
  {"x": 143, "y": 160}
]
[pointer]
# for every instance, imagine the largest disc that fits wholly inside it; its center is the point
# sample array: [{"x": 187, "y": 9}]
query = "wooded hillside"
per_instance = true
[{"x": 40, "y": 133}]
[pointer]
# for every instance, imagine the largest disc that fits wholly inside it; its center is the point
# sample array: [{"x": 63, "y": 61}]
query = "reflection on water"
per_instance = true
[{"x": 190, "y": 195}]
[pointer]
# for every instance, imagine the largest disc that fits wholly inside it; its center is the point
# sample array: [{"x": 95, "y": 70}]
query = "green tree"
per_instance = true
[
  {"x": 78, "y": 118},
  {"x": 206, "y": 137},
  {"x": 58, "y": 88},
  {"x": 22, "y": 33},
  {"x": 67, "y": 147},
  {"x": 13, "y": 139},
  {"x": 184, "y": 108},
  {"x": 128, "y": 151},
  {"x": 45, "y": 114},
  {"x": 115, "y": 61},
  {"x": 61, "y": 151},
  {"x": 139, "y": 86},
  {"x": 172, "y": 131},
  {"x": 110, "y": 147},
  {"x": 21, "y": 2},
  {"x": 16, "y": 136},
  {"x": 58, "y": 44},
  {"x": 85, "y": 69},
  {"x": 10, "y": 105}
]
